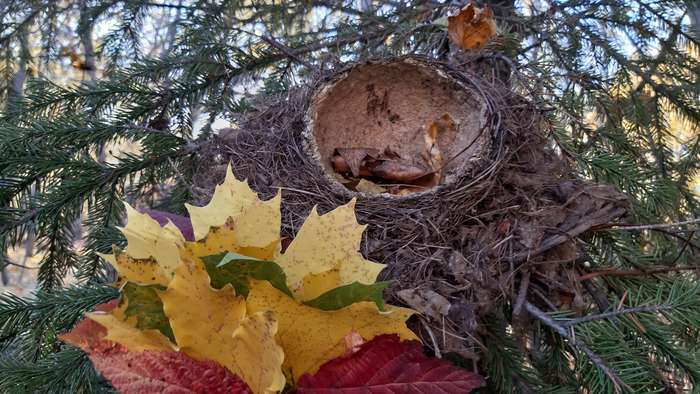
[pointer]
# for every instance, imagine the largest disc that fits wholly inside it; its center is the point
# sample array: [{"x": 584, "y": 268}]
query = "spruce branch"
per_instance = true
[{"x": 579, "y": 345}]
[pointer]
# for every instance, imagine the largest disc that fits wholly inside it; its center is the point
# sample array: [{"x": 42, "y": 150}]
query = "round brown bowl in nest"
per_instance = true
[{"x": 408, "y": 116}]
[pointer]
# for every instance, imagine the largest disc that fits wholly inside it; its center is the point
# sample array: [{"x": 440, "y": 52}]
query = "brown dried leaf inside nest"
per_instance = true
[
  {"x": 351, "y": 159},
  {"x": 398, "y": 170},
  {"x": 368, "y": 163},
  {"x": 369, "y": 187},
  {"x": 432, "y": 154},
  {"x": 388, "y": 166}
]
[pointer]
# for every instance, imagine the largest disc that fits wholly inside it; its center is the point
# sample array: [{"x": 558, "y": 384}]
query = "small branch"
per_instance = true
[
  {"x": 579, "y": 345},
  {"x": 178, "y": 6},
  {"x": 522, "y": 293},
  {"x": 636, "y": 272},
  {"x": 599, "y": 297},
  {"x": 287, "y": 51},
  {"x": 683, "y": 249},
  {"x": 432, "y": 339},
  {"x": 680, "y": 237},
  {"x": 607, "y": 315},
  {"x": 9, "y": 262},
  {"x": 622, "y": 227}
]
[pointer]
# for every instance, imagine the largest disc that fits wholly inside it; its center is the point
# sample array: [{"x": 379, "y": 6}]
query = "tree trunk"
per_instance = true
[
  {"x": 15, "y": 93},
  {"x": 16, "y": 90},
  {"x": 694, "y": 13},
  {"x": 88, "y": 47}
]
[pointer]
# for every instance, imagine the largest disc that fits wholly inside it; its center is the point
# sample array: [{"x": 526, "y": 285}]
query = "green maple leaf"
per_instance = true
[
  {"x": 236, "y": 269},
  {"x": 146, "y": 305}
]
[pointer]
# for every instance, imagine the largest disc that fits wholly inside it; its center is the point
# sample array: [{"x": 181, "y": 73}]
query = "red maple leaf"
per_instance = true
[
  {"x": 386, "y": 365},
  {"x": 150, "y": 371}
]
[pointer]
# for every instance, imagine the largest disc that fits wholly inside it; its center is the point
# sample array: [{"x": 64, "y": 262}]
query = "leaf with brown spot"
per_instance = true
[
  {"x": 256, "y": 222},
  {"x": 127, "y": 335},
  {"x": 324, "y": 243}
]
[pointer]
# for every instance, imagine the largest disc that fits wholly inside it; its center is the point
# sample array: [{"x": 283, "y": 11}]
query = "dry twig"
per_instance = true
[
  {"x": 619, "y": 312},
  {"x": 623, "y": 227}
]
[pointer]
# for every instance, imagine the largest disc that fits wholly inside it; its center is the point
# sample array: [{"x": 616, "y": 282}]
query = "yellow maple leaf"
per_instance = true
[
  {"x": 152, "y": 253},
  {"x": 311, "y": 336},
  {"x": 145, "y": 271},
  {"x": 326, "y": 243},
  {"x": 212, "y": 324},
  {"x": 125, "y": 333},
  {"x": 236, "y": 220},
  {"x": 225, "y": 239},
  {"x": 316, "y": 284},
  {"x": 256, "y": 222}
]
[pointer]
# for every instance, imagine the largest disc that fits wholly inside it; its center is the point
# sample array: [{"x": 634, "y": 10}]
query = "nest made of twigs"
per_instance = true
[{"x": 507, "y": 222}]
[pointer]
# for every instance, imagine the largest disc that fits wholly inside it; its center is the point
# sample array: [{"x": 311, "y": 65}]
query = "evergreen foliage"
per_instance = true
[{"x": 619, "y": 80}]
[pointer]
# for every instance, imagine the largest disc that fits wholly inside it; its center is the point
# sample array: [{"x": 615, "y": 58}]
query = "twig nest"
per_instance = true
[{"x": 395, "y": 128}]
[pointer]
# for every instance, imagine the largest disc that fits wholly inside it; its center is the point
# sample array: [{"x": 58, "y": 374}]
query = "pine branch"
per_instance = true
[
  {"x": 59, "y": 309},
  {"x": 67, "y": 371},
  {"x": 595, "y": 359},
  {"x": 616, "y": 313}
]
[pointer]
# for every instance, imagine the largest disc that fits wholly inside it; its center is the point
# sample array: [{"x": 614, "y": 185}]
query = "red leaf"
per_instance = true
[
  {"x": 385, "y": 365},
  {"x": 89, "y": 336},
  {"x": 150, "y": 371},
  {"x": 166, "y": 372}
]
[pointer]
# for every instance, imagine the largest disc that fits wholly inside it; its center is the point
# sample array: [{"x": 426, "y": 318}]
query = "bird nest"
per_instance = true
[{"x": 498, "y": 226}]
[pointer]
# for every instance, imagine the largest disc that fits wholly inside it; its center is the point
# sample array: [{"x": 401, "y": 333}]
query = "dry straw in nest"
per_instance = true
[{"x": 502, "y": 230}]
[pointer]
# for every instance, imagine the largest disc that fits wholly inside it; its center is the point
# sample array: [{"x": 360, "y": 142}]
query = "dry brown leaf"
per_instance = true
[
  {"x": 353, "y": 158},
  {"x": 473, "y": 27},
  {"x": 395, "y": 170},
  {"x": 426, "y": 301},
  {"x": 432, "y": 154}
]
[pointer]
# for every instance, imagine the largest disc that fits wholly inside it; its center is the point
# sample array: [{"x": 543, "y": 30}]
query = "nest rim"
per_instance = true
[{"x": 481, "y": 144}]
